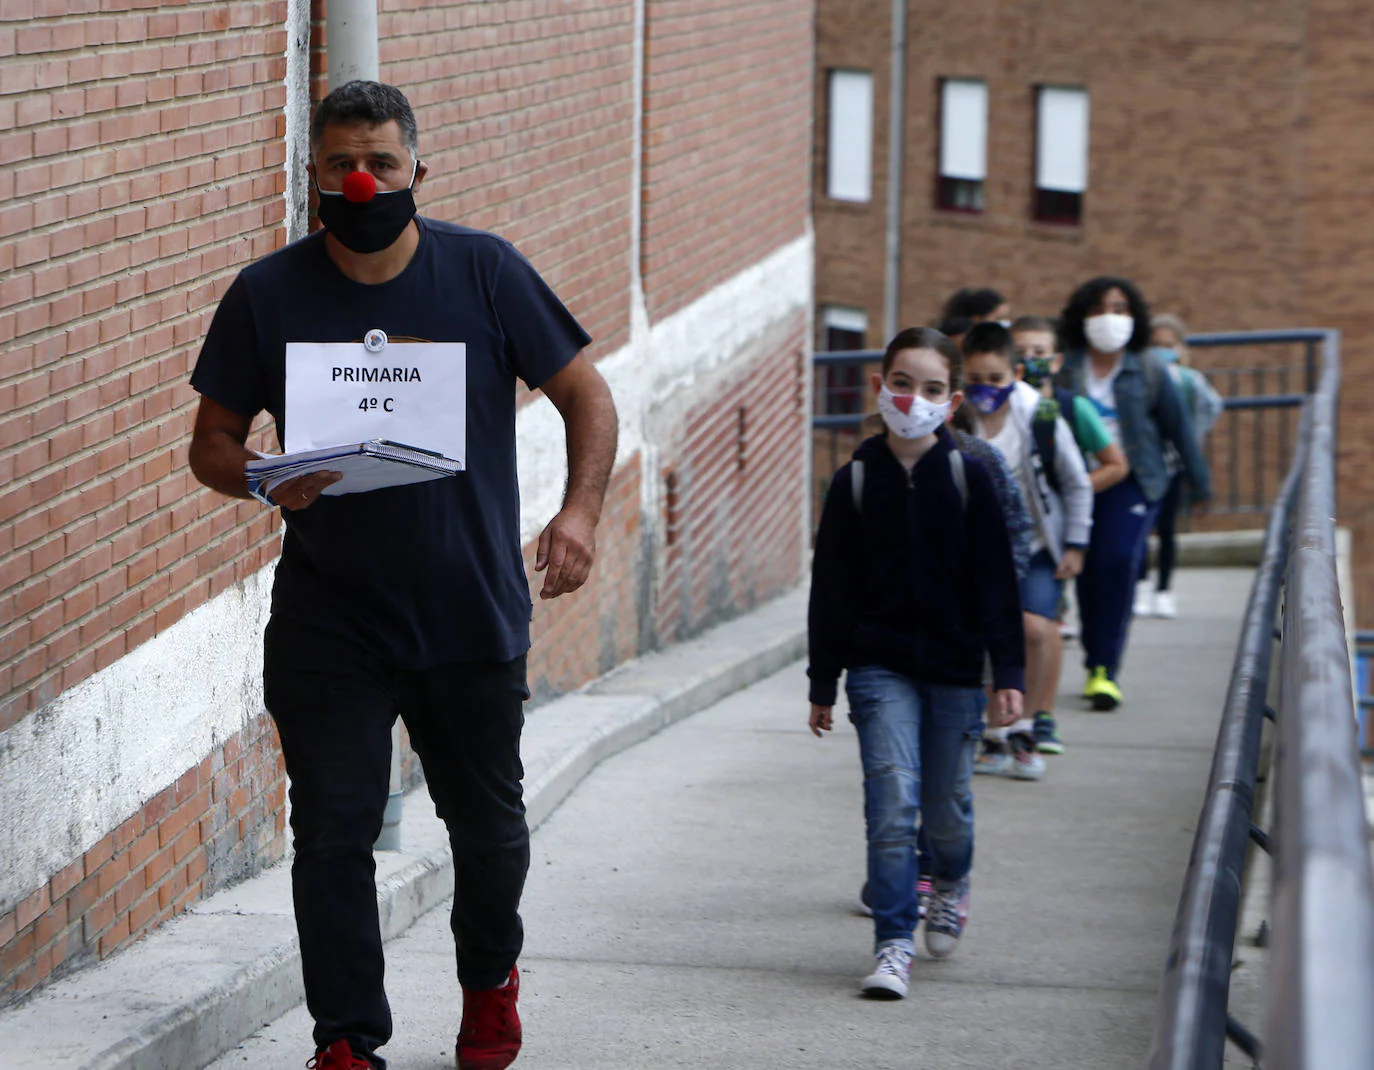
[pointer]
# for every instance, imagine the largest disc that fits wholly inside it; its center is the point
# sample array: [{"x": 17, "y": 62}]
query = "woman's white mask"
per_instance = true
[
  {"x": 910, "y": 415},
  {"x": 1109, "y": 332}
]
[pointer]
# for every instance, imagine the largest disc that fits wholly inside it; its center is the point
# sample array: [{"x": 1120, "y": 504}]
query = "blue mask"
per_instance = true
[
  {"x": 987, "y": 398},
  {"x": 1165, "y": 353}
]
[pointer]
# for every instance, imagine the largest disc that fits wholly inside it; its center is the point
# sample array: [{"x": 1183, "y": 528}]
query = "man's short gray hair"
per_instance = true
[{"x": 373, "y": 103}]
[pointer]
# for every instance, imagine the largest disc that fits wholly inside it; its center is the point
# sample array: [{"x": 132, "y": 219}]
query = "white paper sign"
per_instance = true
[{"x": 413, "y": 393}]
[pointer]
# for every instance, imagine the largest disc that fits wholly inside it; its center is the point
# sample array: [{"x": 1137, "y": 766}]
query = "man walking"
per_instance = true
[{"x": 407, "y": 600}]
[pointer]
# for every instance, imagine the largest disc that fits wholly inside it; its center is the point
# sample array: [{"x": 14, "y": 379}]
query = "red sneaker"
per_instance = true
[
  {"x": 489, "y": 1038},
  {"x": 338, "y": 1056}
]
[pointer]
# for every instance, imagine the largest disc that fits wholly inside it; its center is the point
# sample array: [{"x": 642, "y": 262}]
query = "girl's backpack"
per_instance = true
[{"x": 956, "y": 470}]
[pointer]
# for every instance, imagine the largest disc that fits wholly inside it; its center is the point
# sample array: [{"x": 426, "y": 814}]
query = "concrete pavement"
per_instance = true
[
  {"x": 690, "y": 904},
  {"x": 196, "y": 987}
]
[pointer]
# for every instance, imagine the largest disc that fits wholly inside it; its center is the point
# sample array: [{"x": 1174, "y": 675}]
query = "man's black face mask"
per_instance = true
[{"x": 368, "y": 224}]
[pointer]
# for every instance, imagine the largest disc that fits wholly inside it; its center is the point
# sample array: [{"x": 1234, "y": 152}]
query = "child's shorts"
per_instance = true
[{"x": 1040, "y": 591}]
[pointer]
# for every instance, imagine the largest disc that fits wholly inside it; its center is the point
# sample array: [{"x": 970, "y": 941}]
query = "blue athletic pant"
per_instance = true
[{"x": 1122, "y": 520}]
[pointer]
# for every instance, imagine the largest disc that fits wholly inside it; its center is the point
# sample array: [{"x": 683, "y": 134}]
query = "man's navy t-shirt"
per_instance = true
[{"x": 430, "y": 573}]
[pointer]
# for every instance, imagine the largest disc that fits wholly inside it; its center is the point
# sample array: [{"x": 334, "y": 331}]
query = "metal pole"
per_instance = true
[
  {"x": 896, "y": 108},
  {"x": 350, "y": 28}
]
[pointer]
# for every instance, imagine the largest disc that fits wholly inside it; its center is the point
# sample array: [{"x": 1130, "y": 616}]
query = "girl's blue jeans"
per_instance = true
[{"x": 916, "y": 742}]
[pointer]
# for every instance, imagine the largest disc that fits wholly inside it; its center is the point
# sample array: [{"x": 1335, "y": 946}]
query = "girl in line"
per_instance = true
[
  {"x": 1168, "y": 338},
  {"x": 1105, "y": 329},
  {"x": 913, "y": 587}
]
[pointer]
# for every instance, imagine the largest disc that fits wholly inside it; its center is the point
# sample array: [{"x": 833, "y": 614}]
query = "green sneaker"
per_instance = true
[
  {"x": 1102, "y": 691},
  {"x": 1047, "y": 739}
]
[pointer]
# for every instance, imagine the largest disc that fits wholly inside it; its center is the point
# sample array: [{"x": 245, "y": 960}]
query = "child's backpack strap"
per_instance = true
[
  {"x": 1042, "y": 432},
  {"x": 956, "y": 470},
  {"x": 1068, "y": 409}
]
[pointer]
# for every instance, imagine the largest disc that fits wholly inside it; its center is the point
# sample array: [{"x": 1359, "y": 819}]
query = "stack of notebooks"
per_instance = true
[{"x": 365, "y": 466}]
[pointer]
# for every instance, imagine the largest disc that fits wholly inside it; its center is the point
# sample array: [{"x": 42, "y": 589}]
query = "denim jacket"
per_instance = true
[{"x": 1145, "y": 428}]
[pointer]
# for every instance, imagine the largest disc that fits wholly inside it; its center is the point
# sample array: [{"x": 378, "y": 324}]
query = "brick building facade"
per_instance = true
[
  {"x": 1222, "y": 176},
  {"x": 150, "y": 151}
]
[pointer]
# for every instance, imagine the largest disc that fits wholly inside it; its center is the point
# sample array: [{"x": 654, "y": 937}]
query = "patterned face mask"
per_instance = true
[
  {"x": 910, "y": 415},
  {"x": 1037, "y": 370},
  {"x": 987, "y": 398}
]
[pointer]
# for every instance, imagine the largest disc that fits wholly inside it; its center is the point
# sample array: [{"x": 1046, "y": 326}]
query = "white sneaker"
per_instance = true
[
  {"x": 1025, "y": 763},
  {"x": 1144, "y": 600},
  {"x": 993, "y": 760},
  {"x": 891, "y": 974},
  {"x": 1164, "y": 605},
  {"x": 946, "y": 918}
]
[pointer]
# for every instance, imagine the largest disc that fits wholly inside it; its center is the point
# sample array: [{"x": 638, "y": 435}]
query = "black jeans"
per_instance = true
[{"x": 334, "y": 705}]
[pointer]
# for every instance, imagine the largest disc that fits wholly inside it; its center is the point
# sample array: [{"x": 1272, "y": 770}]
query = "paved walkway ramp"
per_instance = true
[{"x": 691, "y": 904}]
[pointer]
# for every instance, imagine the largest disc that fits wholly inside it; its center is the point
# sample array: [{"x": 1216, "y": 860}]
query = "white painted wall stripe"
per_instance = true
[{"x": 76, "y": 769}]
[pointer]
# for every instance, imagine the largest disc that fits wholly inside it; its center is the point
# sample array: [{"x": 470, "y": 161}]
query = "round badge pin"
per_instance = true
[{"x": 375, "y": 340}]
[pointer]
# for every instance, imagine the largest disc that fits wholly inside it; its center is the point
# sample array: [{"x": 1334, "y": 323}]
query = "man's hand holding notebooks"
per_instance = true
[{"x": 362, "y": 467}]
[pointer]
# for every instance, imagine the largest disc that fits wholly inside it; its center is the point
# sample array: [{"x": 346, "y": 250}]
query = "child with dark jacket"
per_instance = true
[{"x": 913, "y": 590}]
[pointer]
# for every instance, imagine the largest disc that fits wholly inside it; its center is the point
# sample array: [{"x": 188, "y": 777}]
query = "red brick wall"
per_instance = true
[
  {"x": 143, "y": 165},
  {"x": 726, "y": 140},
  {"x": 850, "y": 237},
  {"x": 1337, "y": 255},
  {"x": 140, "y": 175},
  {"x": 526, "y": 114},
  {"x": 220, "y": 822},
  {"x": 732, "y": 498},
  {"x": 1222, "y": 176},
  {"x": 578, "y": 636}
]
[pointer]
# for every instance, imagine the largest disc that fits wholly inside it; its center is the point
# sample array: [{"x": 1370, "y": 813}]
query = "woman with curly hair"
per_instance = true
[{"x": 1105, "y": 329}]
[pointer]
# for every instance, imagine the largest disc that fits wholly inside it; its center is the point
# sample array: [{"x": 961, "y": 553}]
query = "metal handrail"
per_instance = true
[
  {"x": 1322, "y": 965},
  {"x": 1191, "y": 1012}
]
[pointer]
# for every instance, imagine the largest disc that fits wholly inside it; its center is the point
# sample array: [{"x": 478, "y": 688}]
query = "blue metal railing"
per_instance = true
[
  {"x": 1322, "y": 962},
  {"x": 1364, "y": 694}
]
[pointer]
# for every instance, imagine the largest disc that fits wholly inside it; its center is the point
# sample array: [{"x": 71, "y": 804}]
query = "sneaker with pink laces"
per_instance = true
[
  {"x": 338, "y": 1056},
  {"x": 489, "y": 1038}
]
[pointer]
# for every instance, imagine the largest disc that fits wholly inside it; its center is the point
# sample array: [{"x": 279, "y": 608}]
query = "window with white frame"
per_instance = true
[
  {"x": 843, "y": 328},
  {"x": 1061, "y": 153},
  {"x": 849, "y": 165},
  {"x": 963, "y": 144}
]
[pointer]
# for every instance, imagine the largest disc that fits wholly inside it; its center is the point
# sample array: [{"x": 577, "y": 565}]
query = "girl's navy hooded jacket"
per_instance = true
[{"x": 922, "y": 583}]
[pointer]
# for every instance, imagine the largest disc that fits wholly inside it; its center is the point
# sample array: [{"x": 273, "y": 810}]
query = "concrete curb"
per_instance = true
[
  {"x": 198, "y": 986},
  {"x": 1215, "y": 549}
]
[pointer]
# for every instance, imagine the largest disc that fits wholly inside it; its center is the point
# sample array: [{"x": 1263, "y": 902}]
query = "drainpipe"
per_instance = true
[
  {"x": 896, "y": 105},
  {"x": 350, "y": 35}
]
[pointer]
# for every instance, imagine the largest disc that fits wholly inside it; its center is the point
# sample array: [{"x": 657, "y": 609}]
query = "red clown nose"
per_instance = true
[{"x": 359, "y": 186}]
